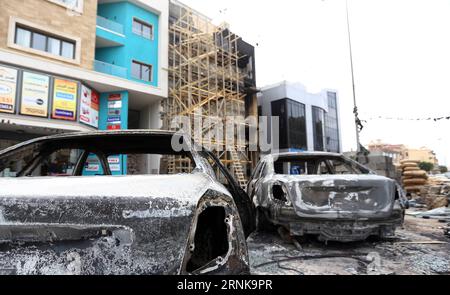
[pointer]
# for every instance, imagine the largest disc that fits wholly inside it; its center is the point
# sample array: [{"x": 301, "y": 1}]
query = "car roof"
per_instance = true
[
  {"x": 97, "y": 137},
  {"x": 302, "y": 154}
]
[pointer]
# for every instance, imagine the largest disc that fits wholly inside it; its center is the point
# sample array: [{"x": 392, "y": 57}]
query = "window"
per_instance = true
[
  {"x": 292, "y": 123},
  {"x": 59, "y": 163},
  {"x": 318, "y": 118},
  {"x": 40, "y": 41},
  {"x": 142, "y": 29},
  {"x": 141, "y": 71},
  {"x": 23, "y": 37},
  {"x": 76, "y": 5},
  {"x": 315, "y": 165},
  {"x": 297, "y": 125},
  {"x": 331, "y": 125}
]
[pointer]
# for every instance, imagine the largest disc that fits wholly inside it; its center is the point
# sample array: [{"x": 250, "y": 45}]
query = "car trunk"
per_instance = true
[
  {"x": 342, "y": 196},
  {"x": 96, "y": 225}
]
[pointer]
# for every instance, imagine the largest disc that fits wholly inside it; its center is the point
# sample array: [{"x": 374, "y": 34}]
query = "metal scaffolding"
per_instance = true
[{"x": 207, "y": 85}]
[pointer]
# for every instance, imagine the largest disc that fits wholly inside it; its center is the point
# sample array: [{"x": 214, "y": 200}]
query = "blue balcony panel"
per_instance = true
[
  {"x": 110, "y": 69},
  {"x": 108, "y": 33}
]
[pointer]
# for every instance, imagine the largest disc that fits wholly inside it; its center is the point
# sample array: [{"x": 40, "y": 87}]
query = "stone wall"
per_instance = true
[{"x": 58, "y": 19}]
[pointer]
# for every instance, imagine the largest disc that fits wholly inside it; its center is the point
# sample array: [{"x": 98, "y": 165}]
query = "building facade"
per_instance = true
[
  {"x": 423, "y": 154},
  {"x": 307, "y": 122},
  {"x": 395, "y": 151},
  {"x": 82, "y": 65},
  {"x": 399, "y": 152}
]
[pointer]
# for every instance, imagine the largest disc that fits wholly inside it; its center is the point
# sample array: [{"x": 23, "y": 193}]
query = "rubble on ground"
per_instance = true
[
  {"x": 433, "y": 196},
  {"x": 418, "y": 248}
]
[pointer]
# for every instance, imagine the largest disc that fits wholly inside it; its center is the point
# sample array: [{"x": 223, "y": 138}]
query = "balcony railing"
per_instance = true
[
  {"x": 110, "y": 69},
  {"x": 109, "y": 25}
]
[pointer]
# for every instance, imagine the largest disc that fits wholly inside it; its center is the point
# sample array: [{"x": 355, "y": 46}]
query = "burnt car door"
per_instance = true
[
  {"x": 243, "y": 202},
  {"x": 255, "y": 179}
]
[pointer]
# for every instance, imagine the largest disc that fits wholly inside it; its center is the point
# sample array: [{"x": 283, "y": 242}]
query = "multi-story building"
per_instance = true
[
  {"x": 423, "y": 154},
  {"x": 307, "y": 122},
  {"x": 81, "y": 65},
  {"x": 399, "y": 152},
  {"x": 395, "y": 151}
]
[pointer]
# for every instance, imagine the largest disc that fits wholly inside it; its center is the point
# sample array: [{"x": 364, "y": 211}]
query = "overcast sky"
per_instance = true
[{"x": 401, "y": 51}]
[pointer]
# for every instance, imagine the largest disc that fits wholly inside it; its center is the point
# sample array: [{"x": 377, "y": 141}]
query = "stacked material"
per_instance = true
[{"x": 413, "y": 178}]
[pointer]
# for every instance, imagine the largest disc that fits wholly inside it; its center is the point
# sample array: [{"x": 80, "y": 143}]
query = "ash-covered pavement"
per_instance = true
[{"x": 420, "y": 247}]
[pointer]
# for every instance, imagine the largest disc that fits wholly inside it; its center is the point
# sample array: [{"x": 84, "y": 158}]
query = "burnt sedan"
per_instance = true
[
  {"x": 327, "y": 195},
  {"x": 63, "y": 209}
]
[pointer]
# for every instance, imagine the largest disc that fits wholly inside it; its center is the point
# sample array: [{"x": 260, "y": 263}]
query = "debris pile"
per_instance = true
[
  {"x": 441, "y": 213},
  {"x": 435, "y": 196},
  {"x": 413, "y": 178}
]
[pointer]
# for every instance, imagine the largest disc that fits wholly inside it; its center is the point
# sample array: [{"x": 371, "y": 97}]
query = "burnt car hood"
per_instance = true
[
  {"x": 340, "y": 196},
  {"x": 98, "y": 225}
]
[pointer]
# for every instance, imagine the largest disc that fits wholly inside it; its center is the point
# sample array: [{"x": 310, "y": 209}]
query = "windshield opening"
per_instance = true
[{"x": 314, "y": 165}]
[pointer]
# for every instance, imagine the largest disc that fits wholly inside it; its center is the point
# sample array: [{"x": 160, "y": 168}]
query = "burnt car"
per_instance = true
[
  {"x": 64, "y": 211},
  {"x": 327, "y": 195}
]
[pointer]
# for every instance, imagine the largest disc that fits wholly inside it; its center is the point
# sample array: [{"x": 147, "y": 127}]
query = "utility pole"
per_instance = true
[{"x": 355, "y": 108}]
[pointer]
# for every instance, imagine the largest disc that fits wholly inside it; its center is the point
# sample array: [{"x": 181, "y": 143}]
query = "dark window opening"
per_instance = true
[
  {"x": 318, "y": 120},
  {"x": 292, "y": 123},
  {"x": 332, "y": 125},
  {"x": 313, "y": 165},
  {"x": 211, "y": 238}
]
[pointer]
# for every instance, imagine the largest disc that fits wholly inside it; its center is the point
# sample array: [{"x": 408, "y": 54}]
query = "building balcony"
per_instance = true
[
  {"x": 108, "y": 33},
  {"x": 110, "y": 69},
  {"x": 109, "y": 25}
]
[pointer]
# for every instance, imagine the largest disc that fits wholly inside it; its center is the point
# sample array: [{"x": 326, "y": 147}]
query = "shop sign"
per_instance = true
[
  {"x": 89, "y": 106},
  {"x": 114, "y": 163},
  {"x": 8, "y": 86},
  {"x": 113, "y": 112},
  {"x": 113, "y": 127},
  {"x": 114, "y": 119},
  {"x": 117, "y": 104},
  {"x": 64, "y": 99},
  {"x": 35, "y": 89}
]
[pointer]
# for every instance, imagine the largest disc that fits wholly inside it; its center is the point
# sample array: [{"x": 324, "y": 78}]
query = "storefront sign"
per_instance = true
[
  {"x": 64, "y": 100},
  {"x": 114, "y": 104},
  {"x": 8, "y": 85},
  {"x": 114, "y": 163},
  {"x": 113, "y": 160},
  {"x": 113, "y": 97},
  {"x": 35, "y": 88},
  {"x": 89, "y": 106},
  {"x": 92, "y": 167},
  {"x": 113, "y": 112},
  {"x": 113, "y": 127},
  {"x": 114, "y": 119},
  {"x": 95, "y": 107}
]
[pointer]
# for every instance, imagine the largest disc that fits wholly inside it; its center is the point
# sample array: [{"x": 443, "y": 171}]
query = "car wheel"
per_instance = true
[{"x": 262, "y": 223}]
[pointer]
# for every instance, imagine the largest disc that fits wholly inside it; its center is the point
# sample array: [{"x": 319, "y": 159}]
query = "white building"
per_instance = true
[{"x": 307, "y": 121}]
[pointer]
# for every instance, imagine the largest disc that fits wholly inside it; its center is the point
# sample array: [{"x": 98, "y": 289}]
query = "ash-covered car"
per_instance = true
[
  {"x": 325, "y": 194},
  {"x": 63, "y": 211}
]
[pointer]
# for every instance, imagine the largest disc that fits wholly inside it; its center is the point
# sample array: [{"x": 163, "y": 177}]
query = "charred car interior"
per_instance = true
[
  {"x": 327, "y": 195},
  {"x": 58, "y": 216}
]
